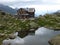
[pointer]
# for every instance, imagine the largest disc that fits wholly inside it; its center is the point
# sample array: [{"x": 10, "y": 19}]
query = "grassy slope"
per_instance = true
[
  {"x": 50, "y": 21},
  {"x": 9, "y": 24}
]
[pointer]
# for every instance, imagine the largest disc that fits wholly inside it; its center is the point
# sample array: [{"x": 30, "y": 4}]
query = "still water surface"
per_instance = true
[{"x": 41, "y": 37}]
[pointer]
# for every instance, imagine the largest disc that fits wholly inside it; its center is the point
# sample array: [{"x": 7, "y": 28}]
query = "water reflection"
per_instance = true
[
  {"x": 41, "y": 37},
  {"x": 43, "y": 31},
  {"x": 16, "y": 41}
]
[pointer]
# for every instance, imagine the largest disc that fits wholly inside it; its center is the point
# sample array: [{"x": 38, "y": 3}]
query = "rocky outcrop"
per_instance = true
[{"x": 55, "y": 40}]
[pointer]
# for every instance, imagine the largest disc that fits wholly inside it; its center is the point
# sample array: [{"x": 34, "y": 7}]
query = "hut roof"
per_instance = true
[{"x": 28, "y": 9}]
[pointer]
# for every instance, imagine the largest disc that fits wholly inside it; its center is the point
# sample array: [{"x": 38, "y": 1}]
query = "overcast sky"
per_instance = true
[{"x": 44, "y": 6}]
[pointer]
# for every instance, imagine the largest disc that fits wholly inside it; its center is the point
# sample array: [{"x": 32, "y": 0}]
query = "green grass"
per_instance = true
[
  {"x": 10, "y": 24},
  {"x": 49, "y": 20}
]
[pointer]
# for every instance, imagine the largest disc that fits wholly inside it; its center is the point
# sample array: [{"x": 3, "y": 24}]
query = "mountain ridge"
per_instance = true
[{"x": 7, "y": 9}]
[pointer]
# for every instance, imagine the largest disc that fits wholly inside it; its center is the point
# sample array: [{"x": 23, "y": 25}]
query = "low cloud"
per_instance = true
[
  {"x": 43, "y": 6},
  {"x": 27, "y": 2}
]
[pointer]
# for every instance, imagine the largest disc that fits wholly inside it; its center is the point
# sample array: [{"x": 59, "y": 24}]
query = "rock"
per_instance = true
[
  {"x": 55, "y": 40},
  {"x": 11, "y": 36},
  {"x": 2, "y": 35},
  {"x": 32, "y": 31}
]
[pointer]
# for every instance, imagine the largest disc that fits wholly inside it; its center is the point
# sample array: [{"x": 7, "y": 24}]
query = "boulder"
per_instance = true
[
  {"x": 11, "y": 36},
  {"x": 55, "y": 40}
]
